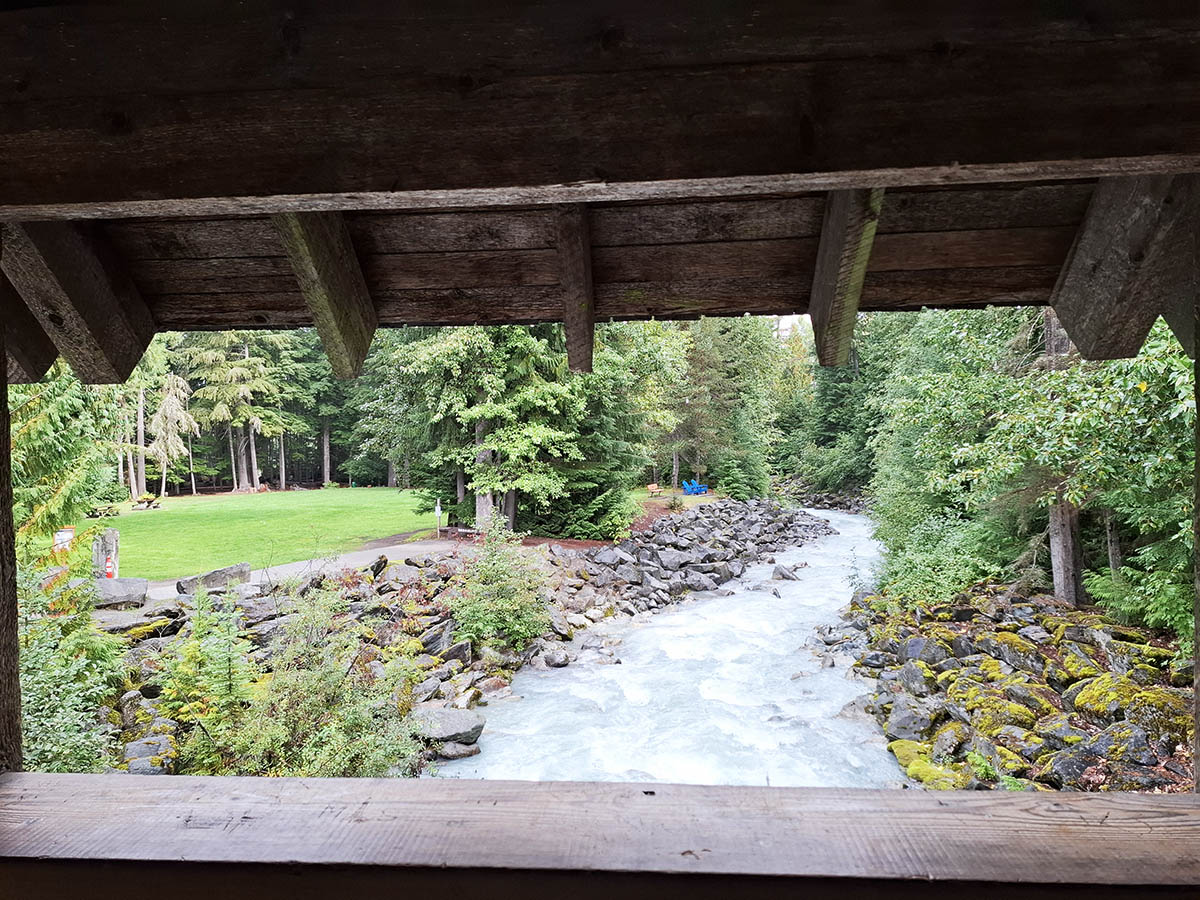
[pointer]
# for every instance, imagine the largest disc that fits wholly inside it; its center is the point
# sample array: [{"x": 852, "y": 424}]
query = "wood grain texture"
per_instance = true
[
  {"x": 84, "y": 299},
  {"x": 332, "y": 284},
  {"x": 571, "y": 106},
  {"x": 573, "y": 245},
  {"x": 1101, "y": 297},
  {"x": 10, "y": 650},
  {"x": 1171, "y": 275},
  {"x": 1055, "y": 842},
  {"x": 847, "y": 237},
  {"x": 29, "y": 352}
]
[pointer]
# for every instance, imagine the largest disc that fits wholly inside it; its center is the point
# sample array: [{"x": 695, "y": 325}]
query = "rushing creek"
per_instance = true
[{"x": 720, "y": 690}]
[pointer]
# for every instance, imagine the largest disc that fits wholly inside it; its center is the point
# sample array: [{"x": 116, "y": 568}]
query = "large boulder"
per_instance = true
[
  {"x": 216, "y": 580},
  {"x": 121, "y": 593},
  {"x": 440, "y": 724}
]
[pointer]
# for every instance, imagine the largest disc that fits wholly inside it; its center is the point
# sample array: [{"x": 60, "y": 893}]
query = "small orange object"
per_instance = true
[{"x": 109, "y": 569}]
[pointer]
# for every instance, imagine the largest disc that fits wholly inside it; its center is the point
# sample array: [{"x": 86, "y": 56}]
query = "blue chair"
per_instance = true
[{"x": 694, "y": 487}]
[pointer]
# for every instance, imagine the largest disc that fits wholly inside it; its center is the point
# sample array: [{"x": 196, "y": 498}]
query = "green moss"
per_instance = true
[
  {"x": 908, "y": 751},
  {"x": 938, "y": 778},
  {"x": 150, "y": 629},
  {"x": 992, "y": 669},
  {"x": 990, "y": 713},
  {"x": 1078, "y": 662},
  {"x": 1158, "y": 710}
]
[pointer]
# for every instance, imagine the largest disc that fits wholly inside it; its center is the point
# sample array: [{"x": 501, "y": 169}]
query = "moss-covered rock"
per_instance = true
[
  {"x": 948, "y": 739},
  {"x": 1013, "y": 649},
  {"x": 1163, "y": 713},
  {"x": 1125, "y": 655},
  {"x": 1077, "y": 661},
  {"x": 1059, "y": 731},
  {"x": 1021, "y": 741},
  {"x": 907, "y": 751},
  {"x": 989, "y": 713},
  {"x": 936, "y": 777}
]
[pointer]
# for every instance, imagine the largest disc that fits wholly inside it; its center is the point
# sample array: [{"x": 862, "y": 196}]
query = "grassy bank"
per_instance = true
[{"x": 195, "y": 534}]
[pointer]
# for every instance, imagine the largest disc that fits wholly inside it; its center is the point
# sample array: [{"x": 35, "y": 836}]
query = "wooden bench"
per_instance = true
[{"x": 654, "y": 489}]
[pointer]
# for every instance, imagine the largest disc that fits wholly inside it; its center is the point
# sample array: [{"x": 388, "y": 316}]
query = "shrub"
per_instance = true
[
  {"x": 68, "y": 671},
  {"x": 322, "y": 711},
  {"x": 206, "y": 676},
  {"x": 500, "y": 600}
]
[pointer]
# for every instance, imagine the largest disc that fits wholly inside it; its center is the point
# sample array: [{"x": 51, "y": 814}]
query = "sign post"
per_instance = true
[{"x": 437, "y": 510}]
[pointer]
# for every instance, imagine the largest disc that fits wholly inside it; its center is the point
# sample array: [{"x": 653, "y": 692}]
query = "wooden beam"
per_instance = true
[
  {"x": 574, "y": 248},
  {"x": 847, "y": 236},
  {"x": 83, "y": 299},
  {"x": 10, "y": 669},
  {"x": 28, "y": 349},
  {"x": 1102, "y": 296},
  {"x": 295, "y": 836},
  {"x": 180, "y": 114},
  {"x": 1172, "y": 276},
  {"x": 327, "y": 269}
]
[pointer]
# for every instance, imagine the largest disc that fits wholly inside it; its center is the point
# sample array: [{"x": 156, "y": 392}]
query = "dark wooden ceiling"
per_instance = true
[{"x": 957, "y": 247}]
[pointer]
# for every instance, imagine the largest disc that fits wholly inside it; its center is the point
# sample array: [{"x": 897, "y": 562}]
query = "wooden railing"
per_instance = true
[{"x": 100, "y": 836}]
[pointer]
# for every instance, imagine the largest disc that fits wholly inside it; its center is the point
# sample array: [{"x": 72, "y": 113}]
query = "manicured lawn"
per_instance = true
[{"x": 190, "y": 535}]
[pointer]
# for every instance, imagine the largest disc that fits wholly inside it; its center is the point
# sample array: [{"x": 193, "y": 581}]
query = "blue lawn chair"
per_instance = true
[{"x": 694, "y": 487}]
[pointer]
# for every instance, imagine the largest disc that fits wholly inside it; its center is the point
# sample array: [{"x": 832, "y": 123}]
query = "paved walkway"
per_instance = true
[{"x": 306, "y": 568}]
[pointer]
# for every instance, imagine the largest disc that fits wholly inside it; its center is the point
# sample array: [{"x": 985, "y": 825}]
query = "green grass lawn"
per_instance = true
[{"x": 190, "y": 535}]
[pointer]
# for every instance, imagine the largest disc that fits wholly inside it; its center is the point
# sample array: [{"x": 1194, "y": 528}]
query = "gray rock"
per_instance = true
[
  {"x": 674, "y": 559},
  {"x": 121, "y": 593},
  {"x": 171, "y": 609},
  {"x": 783, "y": 573},
  {"x": 455, "y": 750},
  {"x": 577, "y": 621},
  {"x": 910, "y": 719},
  {"x": 629, "y": 573},
  {"x": 556, "y": 657},
  {"x": 425, "y": 690},
  {"x": 460, "y": 651},
  {"x": 438, "y": 639},
  {"x": 439, "y": 725},
  {"x": 216, "y": 580},
  {"x": 915, "y": 681}
]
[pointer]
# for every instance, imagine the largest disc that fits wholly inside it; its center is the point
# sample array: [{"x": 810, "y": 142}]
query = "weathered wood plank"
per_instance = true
[
  {"x": 10, "y": 650},
  {"x": 1099, "y": 297},
  {"x": 847, "y": 236},
  {"x": 28, "y": 349},
  {"x": 573, "y": 245},
  {"x": 750, "y": 111},
  {"x": 82, "y": 297},
  {"x": 1037, "y": 844},
  {"x": 685, "y": 298},
  {"x": 719, "y": 221},
  {"x": 1171, "y": 275},
  {"x": 326, "y": 267}
]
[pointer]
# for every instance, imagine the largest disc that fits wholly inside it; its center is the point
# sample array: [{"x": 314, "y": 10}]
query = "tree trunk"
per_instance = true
[
  {"x": 1194, "y": 252},
  {"x": 1113, "y": 540},
  {"x": 243, "y": 468},
  {"x": 484, "y": 502},
  {"x": 191, "y": 466},
  {"x": 325, "y": 452},
  {"x": 141, "y": 441},
  {"x": 282, "y": 465},
  {"x": 675, "y": 470},
  {"x": 120, "y": 463},
  {"x": 133, "y": 491},
  {"x": 162, "y": 486},
  {"x": 1066, "y": 555},
  {"x": 10, "y": 669},
  {"x": 233, "y": 467},
  {"x": 510, "y": 509},
  {"x": 391, "y": 475},
  {"x": 252, "y": 443}
]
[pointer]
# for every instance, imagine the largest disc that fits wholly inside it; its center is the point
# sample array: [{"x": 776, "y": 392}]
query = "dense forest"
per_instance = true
[{"x": 474, "y": 417}]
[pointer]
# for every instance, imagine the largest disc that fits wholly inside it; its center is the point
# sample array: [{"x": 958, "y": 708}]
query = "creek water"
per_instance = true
[{"x": 720, "y": 690}]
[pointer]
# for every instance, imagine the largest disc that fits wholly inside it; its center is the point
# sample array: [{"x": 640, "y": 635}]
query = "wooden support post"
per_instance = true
[
  {"x": 10, "y": 670},
  {"x": 575, "y": 276},
  {"x": 1193, "y": 251},
  {"x": 28, "y": 349},
  {"x": 86, "y": 302},
  {"x": 847, "y": 236},
  {"x": 1110, "y": 289},
  {"x": 331, "y": 280},
  {"x": 1172, "y": 280}
]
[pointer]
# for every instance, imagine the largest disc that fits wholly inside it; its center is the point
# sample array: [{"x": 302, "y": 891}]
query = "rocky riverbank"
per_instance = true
[
  {"x": 396, "y": 604},
  {"x": 999, "y": 690},
  {"x": 795, "y": 492}
]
